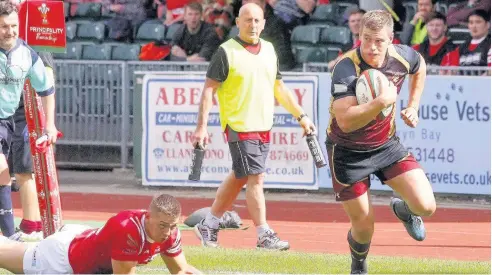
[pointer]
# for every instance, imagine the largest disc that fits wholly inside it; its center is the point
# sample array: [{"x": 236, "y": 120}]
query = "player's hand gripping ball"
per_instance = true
[{"x": 373, "y": 83}]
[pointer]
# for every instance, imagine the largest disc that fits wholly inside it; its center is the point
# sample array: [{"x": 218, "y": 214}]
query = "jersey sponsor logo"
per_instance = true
[
  {"x": 129, "y": 251},
  {"x": 471, "y": 59},
  {"x": 12, "y": 75},
  {"x": 340, "y": 88}
]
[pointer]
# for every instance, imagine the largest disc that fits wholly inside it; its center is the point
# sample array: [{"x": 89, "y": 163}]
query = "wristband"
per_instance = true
[{"x": 301, "y": 117}]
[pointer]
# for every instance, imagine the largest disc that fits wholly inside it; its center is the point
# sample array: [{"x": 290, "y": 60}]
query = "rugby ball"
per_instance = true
[{"x": 368, "y": 87}]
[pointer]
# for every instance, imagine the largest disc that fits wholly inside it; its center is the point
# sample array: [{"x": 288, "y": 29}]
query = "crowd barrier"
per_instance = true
[
  {"x": 431, "y": 70},
  {"x": 98, "y": 111}
]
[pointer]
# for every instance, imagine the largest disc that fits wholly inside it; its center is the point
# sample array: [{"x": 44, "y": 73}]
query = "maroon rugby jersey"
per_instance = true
[{"x": 401, "y": 60}]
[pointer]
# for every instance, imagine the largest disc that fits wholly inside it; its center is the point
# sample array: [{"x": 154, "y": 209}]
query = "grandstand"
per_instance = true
[{"x": 320, "y": 40}]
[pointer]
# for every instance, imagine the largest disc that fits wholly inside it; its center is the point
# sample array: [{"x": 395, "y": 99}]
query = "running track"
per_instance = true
[{"x": 460, "y": 234}]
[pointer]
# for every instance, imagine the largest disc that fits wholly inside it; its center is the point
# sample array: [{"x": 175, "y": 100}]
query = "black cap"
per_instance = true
[{"x": 482, "y": 13}]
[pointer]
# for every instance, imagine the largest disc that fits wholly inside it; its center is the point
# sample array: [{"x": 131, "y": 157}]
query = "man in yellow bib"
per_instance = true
[{"x": 244, "y": 73}]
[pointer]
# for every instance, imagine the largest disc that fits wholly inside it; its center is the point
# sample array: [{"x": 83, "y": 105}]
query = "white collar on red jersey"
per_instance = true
[{"x": 147, "y": 237}]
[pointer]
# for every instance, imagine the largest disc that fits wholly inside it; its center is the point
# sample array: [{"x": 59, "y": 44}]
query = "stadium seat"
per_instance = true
[
  {"x": 344, "y": 6},
  {"x": 452, "y": 6},
  {"x": 171, "y": 30},
  {"x": 123, "y": 51},
  {"x": 329, "y": 14},
  {"x": 305, "y": 35},
  {"x": 95, "y": 31},
  {"x": 71, "y": 30},
  {"x": 442, "y": 7},
  {"x": 74, "y": 51},
  {"x": 410, "y": 10},
  {"x": 96, "y": 52},
  {"x": 152, "y": 30},
  {"x": 458, "y": 35},
  {"x": 310, "y": 54},
  {"x": 66, "y": 6},
  {"x": 88, "y": 10},
  {"x": 335, "y": 35},
  {"x": 332, "y": 53},
  {"x": 233, "y": 32}
]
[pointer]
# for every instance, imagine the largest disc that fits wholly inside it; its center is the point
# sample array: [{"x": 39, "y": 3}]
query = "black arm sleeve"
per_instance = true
[
  {"x": 344, "y": 78},
  {"x": 218, "y": 68},
  {"x": 411, "y": 56}
]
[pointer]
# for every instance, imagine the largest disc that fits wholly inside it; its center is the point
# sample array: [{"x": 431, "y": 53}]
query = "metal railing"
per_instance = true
[
  {"x": 431, "y": 70},
  {"x": 94, "y": 100}
]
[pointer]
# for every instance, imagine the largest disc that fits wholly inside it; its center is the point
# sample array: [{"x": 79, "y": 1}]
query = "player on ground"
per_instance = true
[
  {"x": 18, "y": 62},
  {"x": 20, "y": 159},
  {"x": 358, "y": 145},
  {"x": 244, "y": 73},
  {"x": 129, "y": 238}
]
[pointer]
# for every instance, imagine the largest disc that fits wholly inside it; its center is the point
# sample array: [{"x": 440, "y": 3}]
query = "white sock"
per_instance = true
[
  {"x": 211, "y": 221},
  {"x": 262, "y": 229}
]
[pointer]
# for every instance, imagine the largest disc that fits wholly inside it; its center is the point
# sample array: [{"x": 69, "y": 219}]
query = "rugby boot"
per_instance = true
[
  {"x": 358, "y": 266},
  {"x": 270, "y": 240},
  {"x": 414, "y": 225},
  {"x": 207, "y": 235}
]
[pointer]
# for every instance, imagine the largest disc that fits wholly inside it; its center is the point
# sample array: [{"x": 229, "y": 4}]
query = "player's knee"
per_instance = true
[
  {"x": 25, "y": 178},
  {"x": 426, "y": 209},
  {"x": 363, "y": 223},
  {"x": 256, "y": 178}
]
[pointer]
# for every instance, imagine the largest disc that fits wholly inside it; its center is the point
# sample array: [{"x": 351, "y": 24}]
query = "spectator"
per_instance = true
[
  {"x": 294, "y": 12},
  {"x": 175, "y": 10},
  {"x": 475, "y": 51},
  {"x": 195, "y": 40},
  {"x": 129, "y": 14},
  {"x": 160, "y": 9},
  {"x": 354, "y": 19},
  {"x": 414, "y": 32},
  {"x": 437, "y": 49},
  {"x": 220, "y": 15},
  {"x": 276, "y": 32},
  {"x": 458, "y": 15}
]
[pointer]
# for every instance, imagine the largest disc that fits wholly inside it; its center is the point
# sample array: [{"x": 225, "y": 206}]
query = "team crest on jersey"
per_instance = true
[{"x": 131, "y": 242}]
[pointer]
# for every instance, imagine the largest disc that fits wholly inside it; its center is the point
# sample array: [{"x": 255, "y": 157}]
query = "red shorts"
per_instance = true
[{"x": 350, "y": 169}]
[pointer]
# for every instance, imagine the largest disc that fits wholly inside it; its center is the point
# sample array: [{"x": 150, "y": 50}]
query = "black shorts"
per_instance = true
[
  {"x": 20, "y": 160},
  {"x": 350, "y": 168},
  {"x": 248, "y": 157},
  {"x": 6, "y": 131}
]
